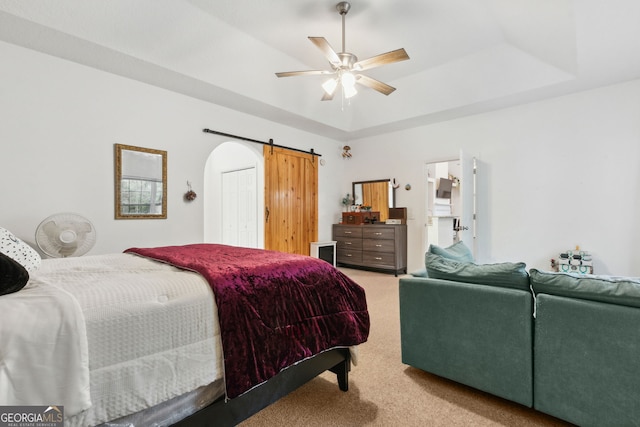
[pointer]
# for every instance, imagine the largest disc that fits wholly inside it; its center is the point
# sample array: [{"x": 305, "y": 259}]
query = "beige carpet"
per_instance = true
[{"x": 385, "y": 392}]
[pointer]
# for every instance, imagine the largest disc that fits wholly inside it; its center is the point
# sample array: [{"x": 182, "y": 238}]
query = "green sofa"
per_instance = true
[{"x": 578, "y": 359}]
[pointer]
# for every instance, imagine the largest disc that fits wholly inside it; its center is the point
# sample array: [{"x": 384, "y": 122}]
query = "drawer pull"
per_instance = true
[
  {"x": 349, "y": 255},
  {"x": 347, "y": 232},
  {"x": 347, "y": 243},
  {"x": 378, "y": 258},
  {"x": 378, "y": 246},
  {"x": 378, "y": 234}
]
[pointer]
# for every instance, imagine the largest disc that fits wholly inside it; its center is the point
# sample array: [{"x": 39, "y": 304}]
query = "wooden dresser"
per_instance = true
[{"x": 372, "y": 246}]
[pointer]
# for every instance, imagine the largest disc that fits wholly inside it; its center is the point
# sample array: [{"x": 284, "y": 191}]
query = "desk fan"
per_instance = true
[{"x": 65, "y": 234}]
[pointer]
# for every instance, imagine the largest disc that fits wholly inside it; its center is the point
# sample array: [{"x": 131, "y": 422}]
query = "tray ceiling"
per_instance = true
[{"x": 467, "y": 56}]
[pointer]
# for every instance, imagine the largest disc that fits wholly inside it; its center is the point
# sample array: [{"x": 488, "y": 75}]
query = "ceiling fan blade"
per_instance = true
[
  {"x": 374, "y": 84},
  {"x": 382, "y": 59},
  {"x": 327, "y": 97},
  {"x": 327, "y": 50},
  {"x": 303, "y": 73}
]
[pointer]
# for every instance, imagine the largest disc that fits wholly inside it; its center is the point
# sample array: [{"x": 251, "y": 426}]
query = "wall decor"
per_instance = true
[
  {"x": 190, "y": 195},
  {"x": 141, "y": 183},
  {"x": 346, "y": 152}
]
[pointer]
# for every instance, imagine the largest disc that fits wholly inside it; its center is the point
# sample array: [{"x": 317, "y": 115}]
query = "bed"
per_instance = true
[{"x": 181, "y": 335}]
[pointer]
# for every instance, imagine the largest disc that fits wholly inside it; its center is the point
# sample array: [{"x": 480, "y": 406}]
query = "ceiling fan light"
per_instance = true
[
  {"x": 348, "y": 80},
  {"x": 330, "y": 86},
  {"x": 349, "y": 91}
]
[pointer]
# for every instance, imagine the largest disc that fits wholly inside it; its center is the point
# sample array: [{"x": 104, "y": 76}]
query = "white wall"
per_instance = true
[
  {"x": 59, "y": 124},
  {"x": 552, "y": 175}
]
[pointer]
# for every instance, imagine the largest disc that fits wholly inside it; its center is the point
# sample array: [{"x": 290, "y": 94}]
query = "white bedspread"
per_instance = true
[
  {"x": 43, "y": 349},
  {"x": 151, "y": 333}
]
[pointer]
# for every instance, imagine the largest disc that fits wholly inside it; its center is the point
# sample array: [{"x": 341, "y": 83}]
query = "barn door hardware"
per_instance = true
[{"x": 269, "y": 143}]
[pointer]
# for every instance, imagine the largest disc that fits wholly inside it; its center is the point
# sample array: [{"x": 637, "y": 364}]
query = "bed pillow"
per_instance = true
[
  {"x": 19, "y": 251},
  {"x": 505, "y": 275},
  {"x": 609, "y": 289},
  {"x": 13, "y": 276},
  {"x": 457, "y": 252}
]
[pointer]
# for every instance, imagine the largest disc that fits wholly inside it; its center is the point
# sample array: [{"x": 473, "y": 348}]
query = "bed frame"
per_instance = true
[{"x": 236, "y": 410}]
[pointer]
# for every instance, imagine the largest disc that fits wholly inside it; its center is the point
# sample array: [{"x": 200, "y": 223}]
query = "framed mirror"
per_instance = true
[
  {"x": 379, "y": 194},
  {"x": 141, "y": 183}
]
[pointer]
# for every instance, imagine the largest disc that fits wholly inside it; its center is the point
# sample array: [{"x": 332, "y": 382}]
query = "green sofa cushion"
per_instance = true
[
  {"x": 457, "y": 252},
  {"x": 614, "y": 290},
  {"x": 504, "y": 275}
]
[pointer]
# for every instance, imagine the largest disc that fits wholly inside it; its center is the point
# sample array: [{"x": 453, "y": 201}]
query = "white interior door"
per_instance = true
[
  {"x": 239, "y": 208},
  {"x": 451, "y": 218},
  {"x": 467, "y": 225}
]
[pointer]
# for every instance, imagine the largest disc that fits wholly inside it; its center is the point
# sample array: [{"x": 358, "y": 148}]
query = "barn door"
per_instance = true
[{"x": 291, "y": 200}]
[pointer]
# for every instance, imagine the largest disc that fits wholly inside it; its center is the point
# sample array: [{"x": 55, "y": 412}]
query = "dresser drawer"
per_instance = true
[
  {"x": 349, "y": 257},
  {"x": 345, "y": 231},
  {"x": 378, "y": 245},
  {"x": 378, "y": 232},
  {"x": 349, "y": 244},
  {"x": 379, "y": 259}
]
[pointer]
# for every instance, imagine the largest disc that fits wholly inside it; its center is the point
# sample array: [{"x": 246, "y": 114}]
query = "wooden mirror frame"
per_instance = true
[
  {"x": 391, "y": 202},
  {"x": 119, "y": 148}
]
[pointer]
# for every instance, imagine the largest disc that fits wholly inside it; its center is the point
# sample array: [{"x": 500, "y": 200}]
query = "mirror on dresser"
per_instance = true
[{"x": 379, "y": 194}]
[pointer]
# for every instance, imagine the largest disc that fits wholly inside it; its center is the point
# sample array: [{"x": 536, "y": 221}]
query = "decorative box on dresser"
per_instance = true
[{"x": 373, "y": 246}]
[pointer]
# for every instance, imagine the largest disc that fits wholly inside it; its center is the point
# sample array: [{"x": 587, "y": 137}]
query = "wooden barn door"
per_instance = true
[{"x": 291, "y": 200}]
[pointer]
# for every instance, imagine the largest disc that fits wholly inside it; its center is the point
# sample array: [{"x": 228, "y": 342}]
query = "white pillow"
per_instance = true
[{"x": 19, "y": 251}]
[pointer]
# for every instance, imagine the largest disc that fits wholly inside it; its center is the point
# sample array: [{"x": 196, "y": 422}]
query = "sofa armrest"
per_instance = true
[{"x": 477, "y": 335}]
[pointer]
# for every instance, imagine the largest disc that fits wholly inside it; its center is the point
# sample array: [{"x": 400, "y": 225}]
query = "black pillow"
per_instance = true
[{"x": 13, "y": 276}]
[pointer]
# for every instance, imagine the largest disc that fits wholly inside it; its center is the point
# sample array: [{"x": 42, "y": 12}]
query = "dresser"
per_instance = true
[{"x": 372, "y": 246}]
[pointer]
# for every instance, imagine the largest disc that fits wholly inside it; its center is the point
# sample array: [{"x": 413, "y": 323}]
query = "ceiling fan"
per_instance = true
[{"x": 345, "y": 65}]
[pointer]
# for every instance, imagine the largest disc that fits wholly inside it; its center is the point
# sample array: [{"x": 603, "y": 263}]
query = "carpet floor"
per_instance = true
[{"x": 385, "y": 392}]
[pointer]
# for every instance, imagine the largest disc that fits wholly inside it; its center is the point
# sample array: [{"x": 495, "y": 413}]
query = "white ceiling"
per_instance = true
[{"x": 467, "y": 56}]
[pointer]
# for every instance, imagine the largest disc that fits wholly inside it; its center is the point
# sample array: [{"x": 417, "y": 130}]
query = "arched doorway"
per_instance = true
[{"x": 234, "y": 195}]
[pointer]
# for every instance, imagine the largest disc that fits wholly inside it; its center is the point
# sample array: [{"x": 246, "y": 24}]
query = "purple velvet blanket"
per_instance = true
[{"x": 274, "y": 308}]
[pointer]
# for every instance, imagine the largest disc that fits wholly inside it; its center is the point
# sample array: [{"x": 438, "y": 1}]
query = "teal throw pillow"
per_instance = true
[
  {"x": 614, "y": 290},
  {"x": 505, "y": 275},
  {"x": 420, "y": 273},
  {"x": 457, "y": 252}
]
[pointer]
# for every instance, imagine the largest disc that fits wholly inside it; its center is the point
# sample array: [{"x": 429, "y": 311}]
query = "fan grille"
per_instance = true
[{"x": 65, "y": 234}]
